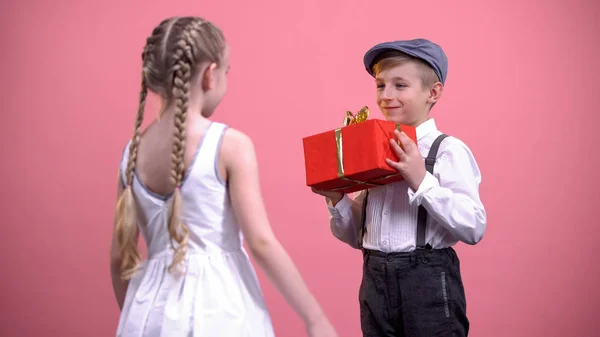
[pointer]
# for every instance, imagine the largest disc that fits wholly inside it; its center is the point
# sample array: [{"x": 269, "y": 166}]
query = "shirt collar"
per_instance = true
[{"x": 425, "y": 128}]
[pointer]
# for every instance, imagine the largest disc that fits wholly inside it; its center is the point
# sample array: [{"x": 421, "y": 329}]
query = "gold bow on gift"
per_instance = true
[
  {"x": 360, "y": 116},
  {"x": 351, "y": 119}
]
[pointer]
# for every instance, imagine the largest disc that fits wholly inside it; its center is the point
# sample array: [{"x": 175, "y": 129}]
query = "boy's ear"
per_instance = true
[
  {"x": 435, "y": 93},
  {"x": 208, "y": 77}
]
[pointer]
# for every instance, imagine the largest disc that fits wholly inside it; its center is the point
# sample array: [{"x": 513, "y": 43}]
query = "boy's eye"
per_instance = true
[{"x": 398, "y": 86}]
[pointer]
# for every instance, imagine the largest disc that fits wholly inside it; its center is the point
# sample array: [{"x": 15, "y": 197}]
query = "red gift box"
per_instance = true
[{"x": 352, "y": 158}]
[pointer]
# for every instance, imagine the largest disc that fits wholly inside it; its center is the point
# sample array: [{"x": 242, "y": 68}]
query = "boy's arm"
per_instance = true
[
  {"x": 345, "y": 218},
  {"x": 453, "y": 199}
]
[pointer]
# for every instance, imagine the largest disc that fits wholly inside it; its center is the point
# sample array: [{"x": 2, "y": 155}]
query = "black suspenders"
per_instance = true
[{"x": 422, "y": 216}]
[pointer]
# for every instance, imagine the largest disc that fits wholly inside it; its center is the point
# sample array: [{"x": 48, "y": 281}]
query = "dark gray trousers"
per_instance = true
[{"x": 412, "y": 294}]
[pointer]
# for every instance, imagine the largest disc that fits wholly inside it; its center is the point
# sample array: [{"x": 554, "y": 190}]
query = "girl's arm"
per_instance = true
[{"x": 241, "y": 167}]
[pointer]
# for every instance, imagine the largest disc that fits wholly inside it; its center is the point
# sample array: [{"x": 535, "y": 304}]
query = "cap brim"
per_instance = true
[{"x": 373, "y": 53}]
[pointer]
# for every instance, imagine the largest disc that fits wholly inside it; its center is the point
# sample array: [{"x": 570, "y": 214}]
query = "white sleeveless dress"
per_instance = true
[{"x": 219, "y": 295}]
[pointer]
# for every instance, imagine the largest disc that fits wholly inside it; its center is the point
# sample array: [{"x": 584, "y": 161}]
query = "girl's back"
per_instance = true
[
  {"x": 206, "y": 208},
  {"x": 217, "y": 292}
]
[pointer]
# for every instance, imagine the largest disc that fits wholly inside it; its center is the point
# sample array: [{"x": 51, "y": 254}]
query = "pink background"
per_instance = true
[{"x": 520, "y": 91}]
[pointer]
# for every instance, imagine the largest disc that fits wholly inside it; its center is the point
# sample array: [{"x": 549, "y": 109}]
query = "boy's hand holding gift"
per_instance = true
[
  {"x": 355, "y": 156},
  {"x": 335, "y": 197},
  {"x": 411, "y": 165}
]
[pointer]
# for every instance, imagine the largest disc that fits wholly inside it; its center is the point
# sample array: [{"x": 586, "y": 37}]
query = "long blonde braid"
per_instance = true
[{"x": 178, "y": 232}]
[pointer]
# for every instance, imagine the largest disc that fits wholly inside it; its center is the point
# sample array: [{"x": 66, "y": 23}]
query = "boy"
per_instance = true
[{"x": 411, "y": 283}]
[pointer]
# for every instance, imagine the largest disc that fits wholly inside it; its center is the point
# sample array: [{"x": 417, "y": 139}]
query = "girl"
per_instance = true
[{"x": 189, "y": 186}]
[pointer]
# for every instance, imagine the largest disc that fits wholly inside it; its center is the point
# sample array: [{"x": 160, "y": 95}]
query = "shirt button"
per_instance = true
[
  {"x": 384, "y": 242},
  {"x": 386, "y": 212}
]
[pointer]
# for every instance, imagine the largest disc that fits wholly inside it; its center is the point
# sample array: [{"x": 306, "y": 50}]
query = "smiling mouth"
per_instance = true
[{"x": 391, "y": 107}]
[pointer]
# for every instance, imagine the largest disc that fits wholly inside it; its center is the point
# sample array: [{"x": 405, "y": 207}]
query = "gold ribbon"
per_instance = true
[
  {"x": 360, "y": 117},
  {"x": 352, "y": 119}
]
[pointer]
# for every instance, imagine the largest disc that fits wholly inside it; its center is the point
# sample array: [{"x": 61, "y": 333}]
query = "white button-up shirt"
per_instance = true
[{"x": 450, "y": 195}]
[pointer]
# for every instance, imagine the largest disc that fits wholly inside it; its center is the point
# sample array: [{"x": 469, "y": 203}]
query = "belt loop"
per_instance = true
[
  {"x": 414, "y": 260},
  {"x": 452, "y": 254}
]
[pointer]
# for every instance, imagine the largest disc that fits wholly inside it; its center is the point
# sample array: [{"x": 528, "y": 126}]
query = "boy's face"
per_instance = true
[{"x": 401, "y": 95}]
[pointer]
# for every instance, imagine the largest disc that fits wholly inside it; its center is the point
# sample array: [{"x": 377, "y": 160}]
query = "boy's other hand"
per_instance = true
[
  {"x": 335, "y": 197},
  {"x": 411, "y": 165}
]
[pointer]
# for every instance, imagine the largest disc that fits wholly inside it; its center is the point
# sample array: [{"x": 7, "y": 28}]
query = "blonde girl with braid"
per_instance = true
[{"x": 190, "y": 187}]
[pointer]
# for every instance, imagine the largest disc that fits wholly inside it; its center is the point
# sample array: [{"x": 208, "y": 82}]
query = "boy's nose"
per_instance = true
[{"x": 386, "y": 94}]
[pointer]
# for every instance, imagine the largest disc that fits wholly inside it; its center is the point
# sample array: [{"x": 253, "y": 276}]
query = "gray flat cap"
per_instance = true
[{"x": 419, "y": 48}]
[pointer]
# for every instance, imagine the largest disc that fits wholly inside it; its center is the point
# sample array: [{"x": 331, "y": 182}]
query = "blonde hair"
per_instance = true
[
  {"x": 170, "y": 58},
  {"x": 395, "y": 58}
]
